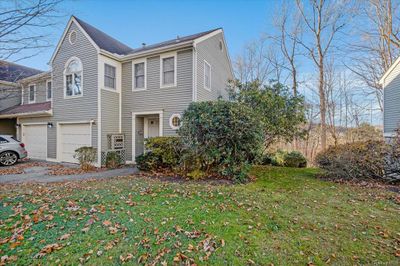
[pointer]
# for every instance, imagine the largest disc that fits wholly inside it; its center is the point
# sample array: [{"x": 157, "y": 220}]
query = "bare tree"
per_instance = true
[
  {"x": 23, "y": 25},
  {"x": 323, "y": 20},
  {"x": 288, "y": 24},
  {"x": 379, "y": 44},
  {"x": 254, "y": 63}
]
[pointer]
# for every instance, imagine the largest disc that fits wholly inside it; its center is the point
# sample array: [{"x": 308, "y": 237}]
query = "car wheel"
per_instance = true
[{"x": 8, "y": 158}]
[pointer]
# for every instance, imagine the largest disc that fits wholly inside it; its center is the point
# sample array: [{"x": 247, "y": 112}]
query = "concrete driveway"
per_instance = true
[{"x": 41, "y": 172}]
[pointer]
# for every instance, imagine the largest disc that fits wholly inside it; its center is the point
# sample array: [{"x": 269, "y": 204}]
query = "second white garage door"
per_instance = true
[
  {"x": 72, "y": 137},
  {"x": 35, "y": 139}
]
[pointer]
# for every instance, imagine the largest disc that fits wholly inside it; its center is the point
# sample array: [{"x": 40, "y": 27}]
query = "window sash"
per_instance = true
[
  {"x": 49, "y": 91},
  {"x": 168, "y": 67},
  {"x": 139, "y": 81},
  {"x": 109, "y": 76},
  {"x": 73, "y": 87},
  {"x": 31, "y": 93}
]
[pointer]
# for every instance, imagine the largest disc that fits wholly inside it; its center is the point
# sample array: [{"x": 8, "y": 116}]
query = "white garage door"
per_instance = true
[
  {"x": 35, "y": 139},
  {"x": 72, "y": 137}
]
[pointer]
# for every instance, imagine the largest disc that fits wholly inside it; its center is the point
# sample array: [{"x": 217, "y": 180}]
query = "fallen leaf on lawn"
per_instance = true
[
  {"x": 85, "y": 229},
  {"x": 128, "y": 257},
  {"x": 64, "y": 237},
  {"x": 112, "y": 230},
  {"x": 107, "y": 223},
  {"x": 6, "y": 259},
  {"x": 48, "y": 249},
  {"x": 143, "y": 258}
]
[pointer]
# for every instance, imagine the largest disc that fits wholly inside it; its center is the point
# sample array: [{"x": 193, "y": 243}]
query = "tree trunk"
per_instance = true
[{"x": 322, "y": 102}]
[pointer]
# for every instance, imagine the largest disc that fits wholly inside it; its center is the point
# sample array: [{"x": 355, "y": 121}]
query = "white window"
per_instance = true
[
  {"x": 73, "y": 78},
  {"x": 175, "y": 121},
  {"x": 49, "y": 92},
  {"x": 207, "y": 75},
  {"x": 139, "y": 75},
  {"x": 168, "y": 70},
  {"x": 109, "y": 76},
  {"x": 32, "y": 93}
]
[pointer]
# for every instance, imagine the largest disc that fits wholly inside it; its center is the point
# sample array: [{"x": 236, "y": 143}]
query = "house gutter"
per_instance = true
[
  {"x": 32, "y": 114},
  {"x": 124, "y": 58}
]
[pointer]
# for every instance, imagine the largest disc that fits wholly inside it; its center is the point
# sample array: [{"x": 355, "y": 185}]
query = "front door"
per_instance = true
[{"x": 152, "y": 127}]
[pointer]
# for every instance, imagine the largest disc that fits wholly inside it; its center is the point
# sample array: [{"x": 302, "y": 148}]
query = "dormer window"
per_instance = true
[{"x": 73, "y": 78}]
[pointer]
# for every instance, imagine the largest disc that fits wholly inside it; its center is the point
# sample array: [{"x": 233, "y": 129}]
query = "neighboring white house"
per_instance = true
[
  {"x": 104, "y": 94},
  {"x": 390, "y": 82}
]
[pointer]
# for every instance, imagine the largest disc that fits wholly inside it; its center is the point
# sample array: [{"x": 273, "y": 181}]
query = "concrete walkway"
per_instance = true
[{"x": 39, "y": 174}]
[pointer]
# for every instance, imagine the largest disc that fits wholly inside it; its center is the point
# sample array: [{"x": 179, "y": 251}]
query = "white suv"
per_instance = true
[{"x": 11, "y": 150}]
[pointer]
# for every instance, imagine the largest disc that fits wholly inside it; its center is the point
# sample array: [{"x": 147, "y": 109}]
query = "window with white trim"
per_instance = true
[
  {"x": 32, "y": 96},
  {"x": 109, "y": 76},
  {"x": 207, "y": 75},
  {"x": 168, "y": 74},
  {"x": 73, "y": 78},
  {"x": 49, "y": 92},
  {"x": 175, "y": 121},
  {"x": 139, "y": 75}
]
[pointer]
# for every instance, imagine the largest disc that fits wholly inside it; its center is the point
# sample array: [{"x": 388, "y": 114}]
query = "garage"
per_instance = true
[
  {"x": 72, "y": 137},
  {"x": 35, "y": 139}
]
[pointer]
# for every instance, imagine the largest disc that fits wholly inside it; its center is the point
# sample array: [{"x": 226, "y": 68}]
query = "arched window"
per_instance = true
[{"x": 73, "y": 77}]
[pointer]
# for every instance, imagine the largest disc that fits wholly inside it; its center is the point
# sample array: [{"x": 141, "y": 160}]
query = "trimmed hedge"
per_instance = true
[{"x": 162, "y": 153}]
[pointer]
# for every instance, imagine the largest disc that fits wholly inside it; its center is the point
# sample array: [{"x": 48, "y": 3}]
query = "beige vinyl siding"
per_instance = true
[
  {"x": 169, "y": 100},
  {"x": 391, "y": 114},
  {"x": 71, "y": 110},
  {"x": 9, "y": 96},
  {"x": 109, "y": 116},
  {"x": 41, "y": 90},
  {"x": 220, "y": 70}
]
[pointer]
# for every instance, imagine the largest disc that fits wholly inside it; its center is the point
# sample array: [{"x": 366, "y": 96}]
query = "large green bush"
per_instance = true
[
  {"x": 295, "y": 159},
  {"x": 220, "y": 138},
  {"x": 284, "y": 158},
  {"x": 358, "y": 160},
  {"x": 162, "y": 153}
]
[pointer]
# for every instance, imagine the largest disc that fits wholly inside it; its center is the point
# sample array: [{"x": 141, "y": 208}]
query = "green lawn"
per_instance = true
[{"x": 286, "y": 217}]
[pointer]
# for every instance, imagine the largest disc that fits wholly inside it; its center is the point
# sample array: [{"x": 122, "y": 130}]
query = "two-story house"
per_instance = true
[
  {"x": 99, "y": 86},
  {"x": 10, "y": 91}
]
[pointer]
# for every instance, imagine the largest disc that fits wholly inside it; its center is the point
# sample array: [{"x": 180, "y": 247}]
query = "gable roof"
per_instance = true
[
  {"x": 12, "y": 72},
  {"x": 173, "y": 41},
  {"x": 104, "y": 41}
]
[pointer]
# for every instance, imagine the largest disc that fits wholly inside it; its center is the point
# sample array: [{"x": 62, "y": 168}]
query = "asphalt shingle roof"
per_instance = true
[
  {"x": 103, "y": 40},
  {"x": 27, "y": 108},
  {"x": 173, "y": 41},
  {"x": 12, "y": 72},
  {"x": 112, "y": 45}
]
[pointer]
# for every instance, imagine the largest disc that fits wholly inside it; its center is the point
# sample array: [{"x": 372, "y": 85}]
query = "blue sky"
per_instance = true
[{"x": 135, "y": 22}]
